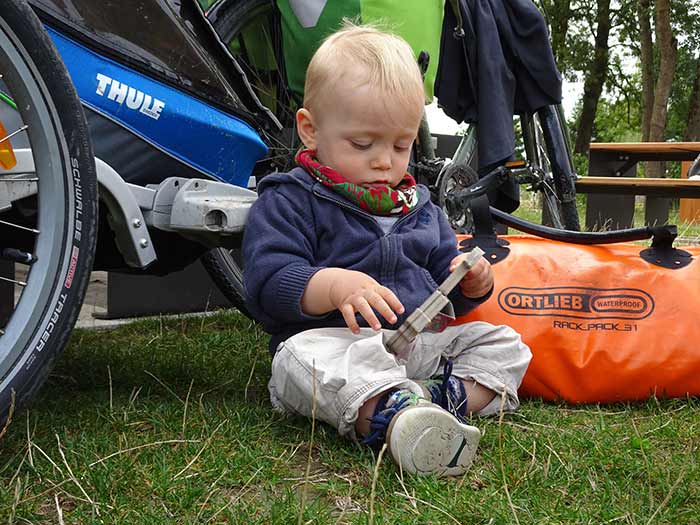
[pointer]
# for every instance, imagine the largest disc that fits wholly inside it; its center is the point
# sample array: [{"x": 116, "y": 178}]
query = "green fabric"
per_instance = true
[
  {"x": 419, "y": 22},
  {"x": 300, "y": 43}
]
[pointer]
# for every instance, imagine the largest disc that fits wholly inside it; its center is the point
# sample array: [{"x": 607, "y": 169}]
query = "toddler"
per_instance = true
[{"x": 346, "y": 246}]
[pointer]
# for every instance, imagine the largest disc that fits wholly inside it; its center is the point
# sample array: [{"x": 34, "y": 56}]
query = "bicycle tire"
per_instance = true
[
  {"x": 233, "y": 17},
  {"x": 225, "y": 269},
  {"x": 43, "y": 316},
  {"x": 559, "y": 191},
  {"x": 538, "y": 159}
]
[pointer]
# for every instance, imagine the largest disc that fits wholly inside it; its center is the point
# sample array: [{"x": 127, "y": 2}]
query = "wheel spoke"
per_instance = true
[
  {"x": 8, "y": 280},
  {"x": 550, "y": 203},
  {"x": 17, "y": 131},
  {"x": 19, "y": 179},
  {"x": 32, "y": 230},
  {"x": 7, "y": 99}
]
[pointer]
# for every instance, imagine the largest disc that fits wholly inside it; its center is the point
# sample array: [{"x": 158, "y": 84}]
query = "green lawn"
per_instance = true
[{"x": 168, "y": 421}]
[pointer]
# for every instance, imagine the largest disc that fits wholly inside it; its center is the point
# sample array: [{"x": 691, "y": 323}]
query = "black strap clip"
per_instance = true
[
  {"x": 662, "y": 253},
  {"x": 495, "y": 249}
]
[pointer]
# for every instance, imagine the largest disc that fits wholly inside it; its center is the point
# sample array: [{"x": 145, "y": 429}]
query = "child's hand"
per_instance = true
[
  {"x": 478, "y": 281},
  {"x": 354, "y": 292}
]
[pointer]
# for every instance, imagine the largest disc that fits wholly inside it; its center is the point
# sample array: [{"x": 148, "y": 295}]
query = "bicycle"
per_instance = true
[
  {"x": 155, "y": 216},
  {"x": 694, "y": 169},
  {"x": 547, "y": 170}
]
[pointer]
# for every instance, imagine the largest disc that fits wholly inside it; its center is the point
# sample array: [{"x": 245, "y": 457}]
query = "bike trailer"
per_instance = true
[
  {"x": 162, "y": 96},
  {"x": 605, "y": 323}
]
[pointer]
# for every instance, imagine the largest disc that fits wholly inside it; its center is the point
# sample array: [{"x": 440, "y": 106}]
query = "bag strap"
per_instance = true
[{"x": 484, "y": 236}]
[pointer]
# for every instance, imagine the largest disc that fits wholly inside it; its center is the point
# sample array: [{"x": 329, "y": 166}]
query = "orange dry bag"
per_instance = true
[{"x": 603, "y": 323}]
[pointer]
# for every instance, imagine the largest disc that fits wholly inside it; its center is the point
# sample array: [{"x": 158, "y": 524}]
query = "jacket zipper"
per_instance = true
[{"x": 363, "y": 213}]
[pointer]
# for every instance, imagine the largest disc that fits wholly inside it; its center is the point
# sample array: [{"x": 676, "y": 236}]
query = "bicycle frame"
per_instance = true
[{"x": 548, "y": 151}]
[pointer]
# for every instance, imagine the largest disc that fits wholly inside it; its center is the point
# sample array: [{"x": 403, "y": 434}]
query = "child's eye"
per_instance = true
[
  {"x": 360, "y": 145},
  {"x": 401, "y": 149}
]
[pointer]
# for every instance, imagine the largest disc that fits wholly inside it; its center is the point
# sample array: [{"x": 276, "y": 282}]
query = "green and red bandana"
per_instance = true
[{"x": 380, "y": 200}]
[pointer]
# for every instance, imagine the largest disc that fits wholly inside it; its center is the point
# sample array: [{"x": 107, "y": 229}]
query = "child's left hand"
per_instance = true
[{"x": 478, "y": 281}]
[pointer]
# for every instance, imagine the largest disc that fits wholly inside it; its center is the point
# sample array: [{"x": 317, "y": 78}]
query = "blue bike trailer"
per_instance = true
[{"x": 162, "y": 95}]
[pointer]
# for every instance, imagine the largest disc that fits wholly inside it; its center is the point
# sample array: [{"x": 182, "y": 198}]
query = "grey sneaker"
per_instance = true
[{"x": 426, "y": 439}]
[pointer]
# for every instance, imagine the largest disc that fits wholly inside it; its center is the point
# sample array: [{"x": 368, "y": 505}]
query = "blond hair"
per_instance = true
[{"x": 387, "y": 60}]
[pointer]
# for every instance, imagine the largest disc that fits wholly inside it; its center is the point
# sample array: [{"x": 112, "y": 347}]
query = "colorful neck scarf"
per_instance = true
[{"x": 380, "y": 200}]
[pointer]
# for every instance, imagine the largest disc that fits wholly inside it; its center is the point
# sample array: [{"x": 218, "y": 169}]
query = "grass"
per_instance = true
[{"x": 168, "y": 421}]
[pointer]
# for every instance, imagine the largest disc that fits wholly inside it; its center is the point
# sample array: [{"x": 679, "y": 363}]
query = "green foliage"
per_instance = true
[
  {"x": 618, "y": 114},
  {"x": 686, "y": 69},
  {"x": 617, "y": 120}
]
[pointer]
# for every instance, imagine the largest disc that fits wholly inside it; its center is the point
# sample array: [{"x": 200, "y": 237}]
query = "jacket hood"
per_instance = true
[{"x": 297, "y": 176}]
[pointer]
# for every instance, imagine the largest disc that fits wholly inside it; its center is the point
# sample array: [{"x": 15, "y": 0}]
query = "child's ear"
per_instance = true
[{"x": 306, "y": 128}]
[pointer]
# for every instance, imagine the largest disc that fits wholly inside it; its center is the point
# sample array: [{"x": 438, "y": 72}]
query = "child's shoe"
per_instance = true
[
  {"x": 422, "y": 437},
  {"x": 426, "y": 439}
]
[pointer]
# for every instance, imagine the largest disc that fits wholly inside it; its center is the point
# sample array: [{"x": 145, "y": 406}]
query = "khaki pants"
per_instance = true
[{"x": 343, "y": 370}]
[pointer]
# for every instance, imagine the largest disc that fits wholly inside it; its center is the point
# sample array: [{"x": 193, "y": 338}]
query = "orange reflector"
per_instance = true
[
  {"x": 515, "y": 164},
  {"x": 7, "y": 156}
]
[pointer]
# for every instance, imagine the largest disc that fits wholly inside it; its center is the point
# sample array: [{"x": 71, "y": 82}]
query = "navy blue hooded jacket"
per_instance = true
[{"x": 298, "y": 226}]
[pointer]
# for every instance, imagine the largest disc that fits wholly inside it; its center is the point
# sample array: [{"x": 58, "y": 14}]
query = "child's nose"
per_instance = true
[{"x": 382, "y": 160}]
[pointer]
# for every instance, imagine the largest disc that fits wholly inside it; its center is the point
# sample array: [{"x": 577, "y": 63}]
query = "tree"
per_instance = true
[
  {"x": 668, "y": 56},
  {"x": 692, "y": 130},
  {"x": 646, "y": 59},
  {"x": 596, "y": 77},
  {"x": 684, "y": 107},
  {"x": 557, "y": 14}
]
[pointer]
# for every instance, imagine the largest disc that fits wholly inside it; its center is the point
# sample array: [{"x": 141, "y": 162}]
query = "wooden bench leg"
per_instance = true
[
  {"x": 609, "y": 212},
  {"x": 656, "y": 211}
]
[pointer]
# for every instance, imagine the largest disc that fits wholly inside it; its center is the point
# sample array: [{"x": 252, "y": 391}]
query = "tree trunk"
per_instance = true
[
  {"x": 647, "y": 67},
  {"x": 668, "y": 55},
  {"x": 692, "y": 128},
  {"x": 559, "y": 26},
  {"x": 595, "y": 79}
]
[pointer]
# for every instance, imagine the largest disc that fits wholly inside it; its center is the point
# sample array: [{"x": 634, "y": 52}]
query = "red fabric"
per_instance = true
[{"x": 378, "y": 200}]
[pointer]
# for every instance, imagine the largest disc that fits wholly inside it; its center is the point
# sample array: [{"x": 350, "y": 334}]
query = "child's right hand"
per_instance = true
[{"x": 354, "y": 292}]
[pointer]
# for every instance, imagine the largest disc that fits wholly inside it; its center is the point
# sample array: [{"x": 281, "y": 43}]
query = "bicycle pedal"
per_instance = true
[{"x": 516, "y": 164}]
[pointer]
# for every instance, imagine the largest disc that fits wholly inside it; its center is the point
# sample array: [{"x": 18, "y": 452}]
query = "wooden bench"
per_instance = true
[{"x": 612, "y": 183}]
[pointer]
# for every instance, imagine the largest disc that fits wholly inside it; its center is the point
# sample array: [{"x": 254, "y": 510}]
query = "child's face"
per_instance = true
[{"x": 362, "y": 136}]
